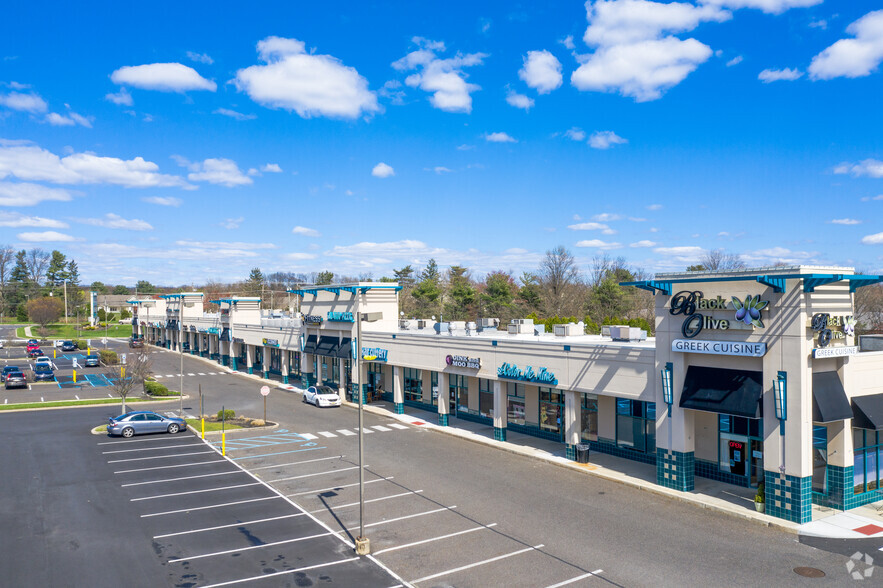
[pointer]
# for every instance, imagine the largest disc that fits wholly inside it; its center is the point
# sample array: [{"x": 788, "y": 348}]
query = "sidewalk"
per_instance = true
[{"x": 736, "y": 501}]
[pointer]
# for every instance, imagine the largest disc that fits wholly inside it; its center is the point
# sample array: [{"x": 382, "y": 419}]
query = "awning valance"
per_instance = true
[
  {"x": 867, "y": 412},
  {"x": 310, "y": 344},
  {"x": 345, "y": 349},
  {"x": 327, "y": 346},
  {"x": 723, "y": 391},
  {"x": 829, "y": 402}
]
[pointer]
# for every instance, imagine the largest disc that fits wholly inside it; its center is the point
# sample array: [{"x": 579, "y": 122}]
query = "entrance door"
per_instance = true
[
  {"x": 738, "y": 450},
  {"x": 756, "y": 462}
]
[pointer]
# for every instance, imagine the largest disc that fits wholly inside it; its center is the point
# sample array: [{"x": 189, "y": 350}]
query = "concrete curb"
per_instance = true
[
  {"x": 84, "y": 405},
  {"x": 231, "y": 431}
]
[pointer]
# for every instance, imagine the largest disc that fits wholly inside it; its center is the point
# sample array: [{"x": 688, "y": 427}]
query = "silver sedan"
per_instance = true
[{"x": 144, "y": 421}]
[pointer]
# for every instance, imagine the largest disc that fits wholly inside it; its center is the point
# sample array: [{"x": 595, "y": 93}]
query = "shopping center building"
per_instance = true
[{"x": 753, "y": 376}]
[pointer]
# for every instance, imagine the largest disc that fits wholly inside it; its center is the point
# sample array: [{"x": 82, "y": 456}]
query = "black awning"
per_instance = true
[
  {"x": 327, "y": 346},
  {"x": 345, "y": 349},
  {"x": 310, "y": 345},
  {"x": 723, "y": 391},
  {"x": 829, "y": 402},
  {"x": 226, "y": 335},
  {"x": 868, "y": 412}
]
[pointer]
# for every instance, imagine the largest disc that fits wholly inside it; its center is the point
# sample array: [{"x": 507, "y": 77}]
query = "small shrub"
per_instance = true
[
  {"x": 80, "y": 343},
  {"x": 226, "y": 414},
  {"x": 108, "y": 357},
  {"x": 157, "y": 389}
]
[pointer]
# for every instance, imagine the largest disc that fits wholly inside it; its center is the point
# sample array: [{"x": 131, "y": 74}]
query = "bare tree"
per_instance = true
[
  {"x": 559, "y": 277},
  {"x": 718, "y": 260},
  {"x": 37, "y": 261},
  {"x": 45, "y": 310},
  {"x": 124, "y": 378},
  {"x": 7, "y": 257},
  {"x": 868, "y": 307}
]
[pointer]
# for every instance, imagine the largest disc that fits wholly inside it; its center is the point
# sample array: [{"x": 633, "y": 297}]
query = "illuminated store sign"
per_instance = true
[
  {"x": 828, "y": 328},
  {"x": 341, "y": 317},
  {"x": 834, "y": 352},
  {"x": 374, "y": 354},
  {"x": 687, "y": 303},
  {"x": 719, "y": 347},
  {"x": 313, "y": 319},
  {"x": 270, "y": 342},
  {"x": 511, "y": 372},
  {"x": 463, "y": 361}
]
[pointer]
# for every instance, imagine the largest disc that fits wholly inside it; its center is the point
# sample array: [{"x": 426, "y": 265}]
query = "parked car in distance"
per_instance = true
[
  {"x": 35, "y": 352},
  {"x": 322, "y": 396},
  {"x": 15, "y": 380},
  {"x": 92, "y": 360},
  {"x": 1, "y": 344},
  {"x": 43, "y": 372},
  {"x": 32, "y": 346},
  {"x": 43, "y": 360},
  {"x": 68, "y": 346},
  {"x": 133, "y": 342},
  {"x": 143, "y": 421},
  {"x": 10, "y": 368},
  {"x": 33, "y": 342}
]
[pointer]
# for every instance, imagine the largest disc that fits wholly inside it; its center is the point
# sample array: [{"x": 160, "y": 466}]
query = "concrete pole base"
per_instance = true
[{"x": 363, "y": 546}]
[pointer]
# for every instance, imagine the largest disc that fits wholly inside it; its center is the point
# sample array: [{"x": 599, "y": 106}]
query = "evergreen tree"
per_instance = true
[
  {"x": 406, "y": 279},
  {"x": 120, "y": 290},
  {"x": 498, "y": 295},
  {"x": 20, "y": 271},
  {"x": 57, "y": 272},
  {"x": 98, "y": 287},
  {"x": 145, "y": 287},
  {"x": 254, "y": 285},
  {"x": 461, "y": 294},
  {"x": 427, "y": 294},
  {"x": 75, "y": 298},
  {"x": 530, "y": 292},
  {"x": 431, "y": 272},
  {"x": 325, "y": 278}
]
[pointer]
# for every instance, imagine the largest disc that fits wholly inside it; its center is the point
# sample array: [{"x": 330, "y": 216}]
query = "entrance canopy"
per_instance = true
[
  {"x": 735, "y": 392},
  {"x": 868, "y": 412},
  {"x": 345, "y": 348},
  {"x": 310, "y": 344},
  {"x": 327, "y": 346},
  {"x": 829, "y": 402}
]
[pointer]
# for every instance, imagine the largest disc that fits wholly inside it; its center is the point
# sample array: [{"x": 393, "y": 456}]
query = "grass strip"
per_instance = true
[
  {"x": 85, "y": 402},
  {"x": 209, "y": 425}
]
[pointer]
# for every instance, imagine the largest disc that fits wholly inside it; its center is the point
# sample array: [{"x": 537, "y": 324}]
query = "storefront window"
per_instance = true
[
  {"x": 589, "y": 417},
  {"x": 459, "y": 389},
  {"x": 433, "y": 383},
  {"x": 259, "y": 357},
  {"x": 819, "y": 459},
  {"x": 325, "y": 373},
  {"x": 551, "y": 410},
  {"x": 738, "y": 455},
  {"x": 636, "y": 425},
  {"x": 485, "y": 398},
  {"x": 867, "y": 460},
  {"x": 375, "y": 380},
  {"x": 276, "y": 360},
  {"x": 413, "y": 385},
  {"x": 294, "y": 363},
  {"x": 515, "y": 410}
]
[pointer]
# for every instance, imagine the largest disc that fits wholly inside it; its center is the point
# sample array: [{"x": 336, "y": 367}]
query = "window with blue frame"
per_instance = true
[
  {"x": 485, "y": 397},
  {"x": 413, "y": 385},
  {"x": 867, "y": 469},
  {"x": 636, "y": 425},
  {"x": 515, "y": 393},
  {"x": 589, "y": 417},
  {"x": 820, "y": 459},
  {"x": 459, "y": 389},
  {"x": 433, "y": 383},
  {"x": 734, "y": 443},
  {"x": 551, "y": 410}
]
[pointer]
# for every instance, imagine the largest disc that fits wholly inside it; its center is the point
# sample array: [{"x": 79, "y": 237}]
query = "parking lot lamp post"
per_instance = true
[
  {"x": 363, "y": 546},
  {"x": 181, "y": 353}
]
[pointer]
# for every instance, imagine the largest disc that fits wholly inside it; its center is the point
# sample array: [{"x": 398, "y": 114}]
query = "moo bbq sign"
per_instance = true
[{"x": 748, "y": 313}]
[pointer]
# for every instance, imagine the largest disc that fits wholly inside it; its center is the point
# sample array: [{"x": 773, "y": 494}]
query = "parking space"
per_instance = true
[
  {"x": 426, "y": 541},
  {"x": 213, "y": 523}
]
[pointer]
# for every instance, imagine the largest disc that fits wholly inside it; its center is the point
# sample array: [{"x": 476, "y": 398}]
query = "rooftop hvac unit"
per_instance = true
[
  {"x": 488, "y": 323},
  {"x": 522, "y": 327},
  {"x": 521, "y": 322},
  {"x": 471, "y": 326},
  {"x": 421, "y": 324},
  {"x": 404, "y": 324},
  {"x": 458, "y": 325},
  {"x": 605, "y": 331}
]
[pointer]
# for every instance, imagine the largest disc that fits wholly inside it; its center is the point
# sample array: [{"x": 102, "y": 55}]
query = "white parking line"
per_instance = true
[
  {"x": 324, "y": 565},
  {"x": 159, "y": 456},
  {"x": 381, "y": 428},
  {"x": 397, "y": 547},
  {"x": 311, "y": 475},
  {"x": 412, "y": 516},
  {"x": 476, "y": 564},
  {"x": 179, "y": 479},
  {"x": 288, "y": 516},
  {"x": 191, "y": 374},
  {"x": 200, "y": 374},
  {"x": 398, "y": 426},
  {"x": 77, "y": 397},
  {"x": 577, "y": 579},
  {"x": 307, "y": 436},
  {"x": 151, "y": 448},
  {"x": 193, "y": 492},
  {"x": 170, "y": 375},
  {"x": 345, "y": 432},
  {"x": 180, "y": 465},
  {"x": 166, "y": 439},
  {"x": 179, "y": 511},
  {"x": 283, "y": 542},
  {"x": 336, "y": 487},
  {"x": 157, "y": 377},
  {"x": 282, "y": 465},
  {"x": 372, "y": 500},
  {"x": 327, "y": 434}
]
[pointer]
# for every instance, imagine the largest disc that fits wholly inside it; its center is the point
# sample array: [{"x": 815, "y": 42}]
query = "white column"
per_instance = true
[
  {"x": 249, "y": 357},
  {"x": 341, "y": 379},
  {"x": 500, "y": 405},
  {"x": 572, "y": 417},
  {"x": 398, "y": 391},
  {"x": 444, "y": 393}
]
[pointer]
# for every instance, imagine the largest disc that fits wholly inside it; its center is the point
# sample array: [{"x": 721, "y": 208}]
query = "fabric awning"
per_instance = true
[
  {"x": 310, "y": 344},
  {"x": 345, "y": 349},
  {"x": 327, "y": 346},
  {"x": 735, "y": 392},
  {"x": 829, "y": 402},
  {"x": 867, "y": 412}
]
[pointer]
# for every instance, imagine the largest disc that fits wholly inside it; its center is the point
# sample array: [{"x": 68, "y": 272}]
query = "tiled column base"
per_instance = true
[
  {"x": 225, "y": 359},
  {"x": 675, "y": 469},
  {"x": 203, "y": 353},
  {"x": 284, "y": 379},
  {"x": 443, "y": 420},
  {"x": 788, "y": 497},
  {"x": 499, "y": 433},
  {"x": 400, "y": 408},
  {"x": 570, "y": 452},
  {"x": 364, "y": 393},
  {"x": 840, "y": 489},
  {"x": 250, "y": 370},
  {"x": 233, "y": 363},
  {"x": 193, "y": 352},
  {"x": 266, "y": 375}
]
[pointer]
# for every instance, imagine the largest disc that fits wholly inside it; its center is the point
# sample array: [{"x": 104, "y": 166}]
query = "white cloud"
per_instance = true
[
  {"x": 598, "y": 244},
  {"x": 307, "y": 232},
  {"x": 382, "y": 170},
  {"x": 605, "y": 140},
  {"x": 852, "y": 58},
  {"x": 218, "y": 171},
  {"x": 606, "y": 217},
  {"x": 819, "y": 24},
  {"x": 845, "y": 221},
  {"x": 233, "y": 223},
  {"x": 606, "y": 230},
  {"x": 465, "y": 147},
  {"x": 643, "y": 243},
  {"x": 869, "y": 198},
  {"x": 499, "y": 138},
  {"x": 735, "y": 61},
  {"x": 163, "y": 200},
  {"x": 115, "y": 221},
  {"x": 775, "y": 75},
  {"x": 29, "y": 162},
  {"x": 636, "y": 54},
  {"x": 26, "y": 194},
  {"x": 519, "y": 100},
  {"x": 654, "y": 207},
  {"x": 875, "y": 239},
  {"x": 271, "y": 168},
  {"x": 306, "y": 83},
  {"x": 515, "y": 251},
  {"x": 407, "y": 248},
  {"x": 15, "y": 219},
  {"x": 575, "y": 134},
  {"x": 439, "y": 169},
  {"x": 30, "y": 102},
  {"x": 687, "y": 251},
  {"x": 234, "y": 115},
  {"x": 163, "y": 77},
  {"x": 778, "y": 255},
  {"x": 121, "y": 98},
  {"x": 298, "y": 256},
  {"x": 224, "y": 245},
  {"x": 70, "y": 120},
  {"x": 767, "y": 6},
  {"x": 200, "y": 57},
  {"x": 443, "y": 78},
  {"x": 568, "y": 42},
  {"x": 866, "y": 167},
  {"x": 253, "y": 171},
  {"x": 45, "y": 236},
  {"x": 541, "y": 71}
]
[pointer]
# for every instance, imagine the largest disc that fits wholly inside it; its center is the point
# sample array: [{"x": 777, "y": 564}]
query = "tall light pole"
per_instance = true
[
  {"x": 181, "y": 353},
  {"x": 363, "y": 545}
]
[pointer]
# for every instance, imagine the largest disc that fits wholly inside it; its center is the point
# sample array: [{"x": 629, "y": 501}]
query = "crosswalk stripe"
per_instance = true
[
  {"x": 327, "y": 434},
  {"x": 345, "y": 432},
  {"x": 366, "y": 430},
  {"x": 308, "y": 436},
  {"x": 200, "y": 374},
  {"x": 398, "y": 426},
  {"x": 381, "y": 428},
  {"x": 157, "y": 377}
]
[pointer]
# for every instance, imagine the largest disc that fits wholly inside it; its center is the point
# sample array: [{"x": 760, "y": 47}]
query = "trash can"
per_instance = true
[{"x": 582, "y": 453}]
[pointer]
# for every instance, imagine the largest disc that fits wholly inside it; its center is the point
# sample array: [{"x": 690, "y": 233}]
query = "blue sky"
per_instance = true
[{"x": 194, "y": 141}]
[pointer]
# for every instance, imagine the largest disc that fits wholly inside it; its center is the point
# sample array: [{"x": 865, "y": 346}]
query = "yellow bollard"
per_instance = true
[
  {"x": 203, "y": 428},
  {"x": 122, "y": 373},
  {"x": 54, "y": 353},
  {"x": 223, "y": 443},
  {"x": 75, "y": 376},
  {"x": 88, "y": 351}
]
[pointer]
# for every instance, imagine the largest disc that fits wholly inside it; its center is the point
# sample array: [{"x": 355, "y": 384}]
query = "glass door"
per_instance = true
[
  {"x": 756, "y": 462},
  {"x": 820, "y": 459}
]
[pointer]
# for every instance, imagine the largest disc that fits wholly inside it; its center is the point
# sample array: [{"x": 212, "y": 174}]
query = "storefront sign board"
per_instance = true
[
  {"x": 834, "y": 352},
  {"x": 463, "y": 361},
  {"x": 719, "y": 347}
]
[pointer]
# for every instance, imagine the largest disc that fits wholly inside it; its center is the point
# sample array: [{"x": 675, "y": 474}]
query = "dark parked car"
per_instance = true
[
  {"x": 43, "y": 373},
  {"x": 133, "y": 342},
  {"x": 92, "y": 360},
  {"x": 15, "y": 380},
  {"x": 68, "y": 346},
  {"x": 143, "y": 421},
  {"x": 35, "y": 352},
  {"x": 10, "y": 368}
]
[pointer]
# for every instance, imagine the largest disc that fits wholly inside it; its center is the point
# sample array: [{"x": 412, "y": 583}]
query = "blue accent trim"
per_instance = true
[
  {"x": 250, "y": 370},
  {"x": 567, "y": 348},
  {"x": 812, "y": 281},
  {"x": 225, "y": 360},
  {"x": 570, "y": 452},
  {"x": 610, "y": 447},
  {"x": 266, "y": 375},
  {"x": 400, "y": 408},
  {"x": 337, "y": 289},
  {"x": 443, "y": 420},
  {"x": 777, "y": 283},
  {"x": 712, "y": 471},
  {"x": 788, "y": 497},
  {"x": 675, "y": 469},
  {"x": 393, "y": 336},
  {"x": 284, "y": 379},
  {"x": 233, "y": 363},
  {"x": 534, "y": 431},
  {"x": 499, "y": 433},
  {"x": 493, "y": 343}
]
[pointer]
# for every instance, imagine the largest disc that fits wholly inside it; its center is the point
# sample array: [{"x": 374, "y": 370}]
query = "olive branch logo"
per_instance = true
[{"x": 749, "y": 311}]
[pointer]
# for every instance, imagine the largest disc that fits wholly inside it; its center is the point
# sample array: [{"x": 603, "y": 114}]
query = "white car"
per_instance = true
[
  {"x": 43, "y": 361},
  {"x": 322, "y": 396}
]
